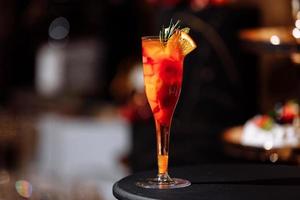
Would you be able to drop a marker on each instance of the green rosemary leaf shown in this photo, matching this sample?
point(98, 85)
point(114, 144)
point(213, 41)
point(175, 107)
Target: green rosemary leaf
point(166, 33)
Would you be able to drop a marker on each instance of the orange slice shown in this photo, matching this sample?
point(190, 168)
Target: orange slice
point(181, 39)
point(187, 44)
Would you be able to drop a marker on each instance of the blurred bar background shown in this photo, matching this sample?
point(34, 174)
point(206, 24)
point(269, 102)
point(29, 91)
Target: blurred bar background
point(72, 102)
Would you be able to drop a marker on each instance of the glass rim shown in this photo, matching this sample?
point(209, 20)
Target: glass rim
point(150, 37)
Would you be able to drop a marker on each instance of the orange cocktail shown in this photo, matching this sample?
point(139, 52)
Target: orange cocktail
point(163, 69)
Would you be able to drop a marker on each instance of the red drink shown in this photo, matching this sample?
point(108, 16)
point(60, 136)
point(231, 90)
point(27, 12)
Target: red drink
point(163, 70)
point(163, 78)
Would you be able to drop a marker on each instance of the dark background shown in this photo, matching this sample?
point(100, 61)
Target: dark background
point(222, 81)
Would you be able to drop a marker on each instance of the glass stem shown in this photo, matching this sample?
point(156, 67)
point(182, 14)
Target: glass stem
point(163, 137)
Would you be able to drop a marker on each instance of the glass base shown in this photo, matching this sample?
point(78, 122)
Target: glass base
point(154, 183)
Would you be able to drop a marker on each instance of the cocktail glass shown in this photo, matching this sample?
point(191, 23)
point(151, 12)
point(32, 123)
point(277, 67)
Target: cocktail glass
point(163, 69)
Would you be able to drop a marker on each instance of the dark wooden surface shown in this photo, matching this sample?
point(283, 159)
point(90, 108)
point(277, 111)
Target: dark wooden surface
point(220, 182)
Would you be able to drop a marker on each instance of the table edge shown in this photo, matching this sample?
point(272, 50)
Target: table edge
point(122, 194)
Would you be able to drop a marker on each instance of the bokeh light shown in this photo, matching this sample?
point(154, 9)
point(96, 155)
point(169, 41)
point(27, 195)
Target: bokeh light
point(296, 33)
point(59, 28)
point(275, 40)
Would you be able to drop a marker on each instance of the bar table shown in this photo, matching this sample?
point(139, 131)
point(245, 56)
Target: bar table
point(219, 182)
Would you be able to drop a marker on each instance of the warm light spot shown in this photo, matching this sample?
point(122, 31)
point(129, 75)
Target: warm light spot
point(296, 33)
point(298, 13)
point(24, 188)
point(268, 145)
point(198, 4)
point(136, 77)
point(297, 23)
point(275, 40)
point(274, 157)
point(296, 59)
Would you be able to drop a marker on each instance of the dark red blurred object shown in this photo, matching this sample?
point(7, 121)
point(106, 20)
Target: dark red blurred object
point(287, 112)
point(219, 2)
point(137, 108)
point(170, 3)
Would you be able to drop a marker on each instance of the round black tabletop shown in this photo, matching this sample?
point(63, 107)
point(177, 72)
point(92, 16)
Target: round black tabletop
point(219, 182)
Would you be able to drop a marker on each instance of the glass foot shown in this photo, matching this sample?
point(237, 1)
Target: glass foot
point(154, 183)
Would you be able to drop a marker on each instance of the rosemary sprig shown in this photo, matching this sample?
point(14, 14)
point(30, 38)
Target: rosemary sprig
point(166, 33)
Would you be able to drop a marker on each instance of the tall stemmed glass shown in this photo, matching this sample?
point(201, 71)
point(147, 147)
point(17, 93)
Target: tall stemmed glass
point(163, 70)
